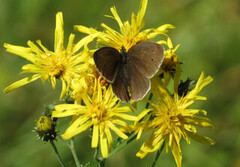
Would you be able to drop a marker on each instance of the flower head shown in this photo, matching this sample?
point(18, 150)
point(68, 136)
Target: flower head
point(171, 65)
point(85, 83)
point(130, 33)
point(171, 119)
point(63, 63)
point(46, 128)
point(101, 112)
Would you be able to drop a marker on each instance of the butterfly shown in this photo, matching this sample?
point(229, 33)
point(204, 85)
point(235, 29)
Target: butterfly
point(130, 72)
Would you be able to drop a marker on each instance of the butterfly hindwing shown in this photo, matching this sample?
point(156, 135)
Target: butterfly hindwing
point(139, 84)
point(106, 60)
point(121, 83)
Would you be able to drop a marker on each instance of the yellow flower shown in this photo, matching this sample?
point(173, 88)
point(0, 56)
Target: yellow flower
point(170, 65)
point(130, 34)
point(101, 112)
point(44, 124)
point(171, 119)
point(64, 64)
point(46, 128)
point(85, 83)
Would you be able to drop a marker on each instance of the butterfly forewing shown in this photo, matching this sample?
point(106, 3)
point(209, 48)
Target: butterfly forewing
point(146, 57)
point(106, 60)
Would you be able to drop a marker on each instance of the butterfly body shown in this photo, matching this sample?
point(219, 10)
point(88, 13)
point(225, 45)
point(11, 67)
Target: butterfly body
point(132, 69)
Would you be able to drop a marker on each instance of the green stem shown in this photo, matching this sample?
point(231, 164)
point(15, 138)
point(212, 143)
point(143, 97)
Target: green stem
point(72, 148)
point(149, 98)
point(119, 148)
point(102, 163)
point(64, 141)
point(57, 154)
point(158, 154)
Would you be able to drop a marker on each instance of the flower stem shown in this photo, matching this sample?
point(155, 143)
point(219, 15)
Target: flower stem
point(72, 148)
point(102, 163)
point(57, 154)
point(119, 148)
point(64, 141)
point(149, 98)
point(158, 154)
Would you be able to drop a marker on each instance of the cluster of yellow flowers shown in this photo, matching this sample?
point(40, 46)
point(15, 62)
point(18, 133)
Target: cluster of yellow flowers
point(95, 106)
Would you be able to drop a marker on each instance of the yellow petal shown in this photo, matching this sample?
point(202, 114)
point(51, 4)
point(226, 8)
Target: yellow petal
point(165, 27)
point(53, 82)
point(95, 136)
point(169, 42)
point(141, 12)
point(83, 41)
point(84, 29)
point(126, 116)
point(64, 89)
point(201, 139)
point(76, 128)
point(34, 48)
point(66, 110)
point(59, 33)
point(21, 51)
point(109, 138)
point(117, 18)
point(70, 43)
point(62, 107)
point(117, 131)
point(176, 81)
point(21, 83)
point(43, 47)
point(142, 114)
point(200, 121)
point(104, 146)
point(177, 154)
point(123, 109)
point(31, 68)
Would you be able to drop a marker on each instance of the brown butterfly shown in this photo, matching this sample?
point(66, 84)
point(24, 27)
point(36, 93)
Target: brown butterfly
point(132, 69)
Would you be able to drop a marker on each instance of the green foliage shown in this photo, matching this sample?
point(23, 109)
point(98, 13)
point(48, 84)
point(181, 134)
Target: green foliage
point(208, 32)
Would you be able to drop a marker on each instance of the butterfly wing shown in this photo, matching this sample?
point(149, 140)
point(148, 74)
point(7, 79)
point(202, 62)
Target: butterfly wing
point(139, 84)
point(106, 60)
point(121, 83)
point(147, 57)
point(144, 61)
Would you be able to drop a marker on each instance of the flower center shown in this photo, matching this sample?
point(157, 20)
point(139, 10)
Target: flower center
point(56, 66)
point(168, 117)
point(58, 70)
point(99, 114)
point(44, 124)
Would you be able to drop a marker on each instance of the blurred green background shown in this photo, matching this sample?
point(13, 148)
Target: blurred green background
point(209, 34)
